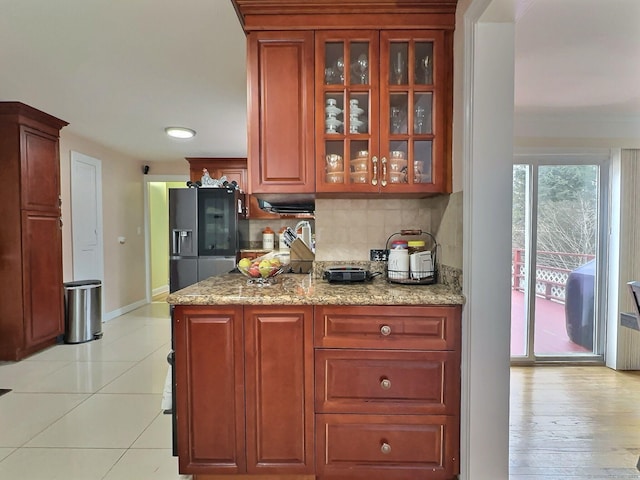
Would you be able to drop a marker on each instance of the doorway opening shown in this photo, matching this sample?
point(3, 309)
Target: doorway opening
point(156, 213)
point(559, 243)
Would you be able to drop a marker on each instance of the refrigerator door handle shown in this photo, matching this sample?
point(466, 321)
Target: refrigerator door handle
point(179, 238)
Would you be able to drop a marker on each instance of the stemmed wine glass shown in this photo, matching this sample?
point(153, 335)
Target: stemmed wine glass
point(362, 67)
point(340, 68)
point(419, 120)
point(396, 120)
point(425, 64)
point(398, 69)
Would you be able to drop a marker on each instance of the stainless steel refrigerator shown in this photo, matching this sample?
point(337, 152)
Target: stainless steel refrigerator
point(207, 228)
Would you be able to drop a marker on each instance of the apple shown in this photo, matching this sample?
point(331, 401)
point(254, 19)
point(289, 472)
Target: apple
point(265, 268)
point(244, 264)
point(254, 270)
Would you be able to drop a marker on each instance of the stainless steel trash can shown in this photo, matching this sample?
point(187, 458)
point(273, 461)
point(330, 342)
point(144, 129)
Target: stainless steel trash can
point(82, 311)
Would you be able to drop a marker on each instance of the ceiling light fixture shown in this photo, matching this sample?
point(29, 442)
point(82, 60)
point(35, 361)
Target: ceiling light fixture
point(180, 132)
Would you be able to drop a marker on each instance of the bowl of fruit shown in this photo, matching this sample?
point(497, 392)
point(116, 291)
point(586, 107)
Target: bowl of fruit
point(264, 270)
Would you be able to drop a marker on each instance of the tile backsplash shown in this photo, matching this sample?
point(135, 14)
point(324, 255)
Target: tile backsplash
point(346, 229)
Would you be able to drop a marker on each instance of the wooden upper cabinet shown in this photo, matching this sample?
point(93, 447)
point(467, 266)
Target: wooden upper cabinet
point(281, 136)
point(233, 169)
point(381, 112)
point(40, 182)
point(394, 59)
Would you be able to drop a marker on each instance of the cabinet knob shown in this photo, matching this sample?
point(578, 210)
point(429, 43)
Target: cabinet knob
point(385, 383)
point(384, 172)
point(385, 448)
point(374, 176)
point(385, 330)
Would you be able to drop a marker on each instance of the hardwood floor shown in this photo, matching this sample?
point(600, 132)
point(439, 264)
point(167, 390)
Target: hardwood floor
point(574, 422)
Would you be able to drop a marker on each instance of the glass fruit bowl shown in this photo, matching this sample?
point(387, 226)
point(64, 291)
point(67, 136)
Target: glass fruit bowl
point(264, 270)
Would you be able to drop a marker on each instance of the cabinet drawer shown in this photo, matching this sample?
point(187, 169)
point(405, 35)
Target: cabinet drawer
point(386, 446)
point(374, 381)
point(388, 327)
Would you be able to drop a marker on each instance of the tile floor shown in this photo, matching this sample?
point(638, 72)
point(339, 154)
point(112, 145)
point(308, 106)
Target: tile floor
point(92, 411)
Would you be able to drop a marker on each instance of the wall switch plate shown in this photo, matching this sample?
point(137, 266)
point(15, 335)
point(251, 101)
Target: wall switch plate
point(378, 255)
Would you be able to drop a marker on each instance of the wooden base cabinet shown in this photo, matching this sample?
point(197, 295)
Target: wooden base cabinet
point(387, 392)
point(397, 447)
point(386, 381)
point(31, 302)
point(244, 389)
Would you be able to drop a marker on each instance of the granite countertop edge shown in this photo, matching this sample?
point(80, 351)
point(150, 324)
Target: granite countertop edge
point(298, 289)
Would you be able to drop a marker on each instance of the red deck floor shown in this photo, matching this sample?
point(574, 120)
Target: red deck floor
point(550, 331)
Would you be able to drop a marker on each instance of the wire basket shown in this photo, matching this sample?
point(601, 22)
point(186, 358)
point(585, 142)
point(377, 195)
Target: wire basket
point(424, 272)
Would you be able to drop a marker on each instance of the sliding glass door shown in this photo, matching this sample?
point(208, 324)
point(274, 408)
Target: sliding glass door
point(558, 240)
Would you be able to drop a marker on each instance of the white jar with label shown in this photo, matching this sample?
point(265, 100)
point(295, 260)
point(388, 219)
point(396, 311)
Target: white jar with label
point(268, 239)
point(398, 264)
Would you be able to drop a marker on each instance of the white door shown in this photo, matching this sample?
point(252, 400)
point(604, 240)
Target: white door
point(86, 217)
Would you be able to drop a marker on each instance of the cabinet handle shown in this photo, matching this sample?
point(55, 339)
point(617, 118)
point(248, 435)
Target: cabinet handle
point(385, 383)
point(384, 172)
point(374, 176)
point(385, 448)
point(385, 330)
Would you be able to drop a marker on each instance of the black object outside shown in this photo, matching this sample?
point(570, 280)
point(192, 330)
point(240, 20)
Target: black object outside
point(579, 304)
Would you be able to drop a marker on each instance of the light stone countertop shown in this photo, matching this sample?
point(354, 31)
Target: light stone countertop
point(297, 289)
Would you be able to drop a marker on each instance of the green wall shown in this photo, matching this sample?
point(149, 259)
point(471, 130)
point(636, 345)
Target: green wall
point(159, 233)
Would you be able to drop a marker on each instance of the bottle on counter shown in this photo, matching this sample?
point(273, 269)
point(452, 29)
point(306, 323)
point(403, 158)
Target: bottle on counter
point(268, 239)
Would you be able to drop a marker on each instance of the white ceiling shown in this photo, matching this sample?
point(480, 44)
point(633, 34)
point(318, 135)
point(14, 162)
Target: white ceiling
point(578, 57)
point(119, 72)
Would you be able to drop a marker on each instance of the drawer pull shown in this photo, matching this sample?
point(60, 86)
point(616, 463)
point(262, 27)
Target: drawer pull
point(385, 448)
point(385, 384)
point(385, 330)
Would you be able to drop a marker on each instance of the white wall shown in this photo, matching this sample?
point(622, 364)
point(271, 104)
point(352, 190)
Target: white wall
point(483, 150)
point(122, 200)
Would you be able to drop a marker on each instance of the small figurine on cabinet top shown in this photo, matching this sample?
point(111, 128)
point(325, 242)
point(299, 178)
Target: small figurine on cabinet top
point(207, 181)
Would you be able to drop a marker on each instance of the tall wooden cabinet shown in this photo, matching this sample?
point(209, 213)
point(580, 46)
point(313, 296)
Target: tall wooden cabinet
point(31, 290)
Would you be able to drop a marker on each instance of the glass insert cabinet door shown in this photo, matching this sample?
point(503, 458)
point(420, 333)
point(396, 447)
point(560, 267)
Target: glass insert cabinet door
point(377, 111)
point(347, 105)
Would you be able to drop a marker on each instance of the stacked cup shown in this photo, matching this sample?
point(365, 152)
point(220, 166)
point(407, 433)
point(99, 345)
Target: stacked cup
point(331, 122)
point(354, 116)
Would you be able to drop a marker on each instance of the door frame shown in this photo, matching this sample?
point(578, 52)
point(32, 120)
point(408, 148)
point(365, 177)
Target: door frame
point(147, 224)
point(538, 157)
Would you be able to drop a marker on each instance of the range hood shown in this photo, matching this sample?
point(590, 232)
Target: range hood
point(284, 207)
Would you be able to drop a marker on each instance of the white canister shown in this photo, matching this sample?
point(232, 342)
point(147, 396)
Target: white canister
point(268, 239)
point(398, 264)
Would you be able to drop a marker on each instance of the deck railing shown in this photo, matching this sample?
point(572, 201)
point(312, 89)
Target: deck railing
point(552, 271)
